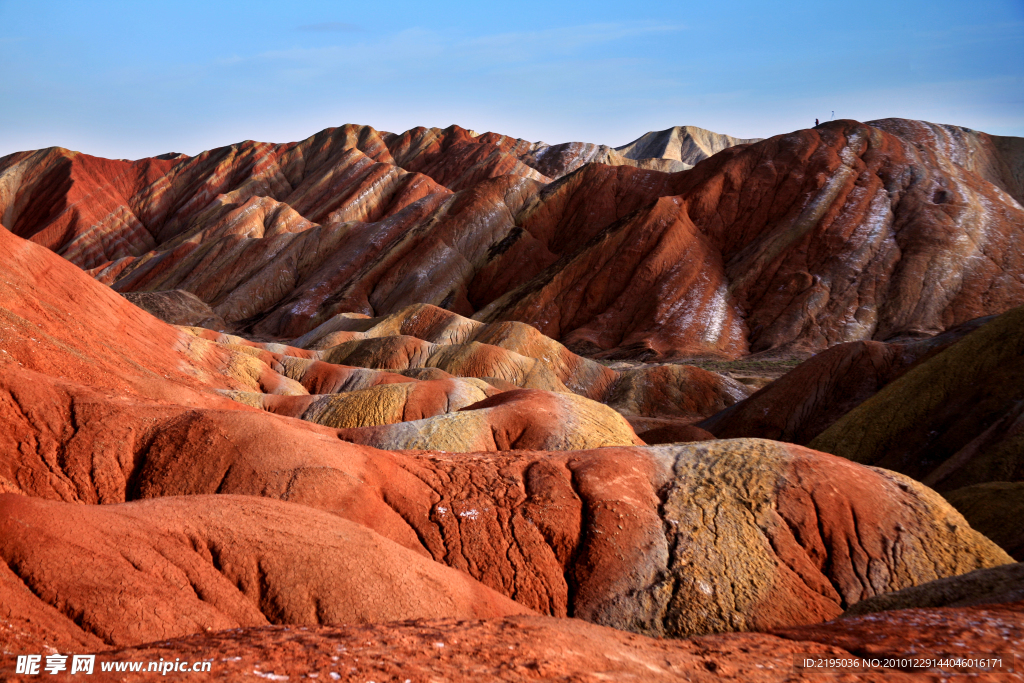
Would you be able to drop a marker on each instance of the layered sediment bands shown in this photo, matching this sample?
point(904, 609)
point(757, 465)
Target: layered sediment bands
point(951, 421)
point(514, 419)
point(847, 232)
point(999, 160)
point(556, 161)
point(535, 648)
point(424, 335)
point(650, 285)
point(383, 404)
point(242, 278)
point(842, 233)
point(458, 159)
point(430, 256)
point(101, 210)
point(185, 565)
point(445, 328)
point(810, 398)
point(474, 359)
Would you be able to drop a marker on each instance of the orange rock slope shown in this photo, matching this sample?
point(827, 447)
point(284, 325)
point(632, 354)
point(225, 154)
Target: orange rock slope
point(846, 232)
point(125, 426)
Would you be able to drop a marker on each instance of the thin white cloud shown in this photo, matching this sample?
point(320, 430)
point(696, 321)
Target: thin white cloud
point(474, 53)
point(519, 44)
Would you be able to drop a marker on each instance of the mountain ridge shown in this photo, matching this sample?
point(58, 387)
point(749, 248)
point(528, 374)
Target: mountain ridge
point(775, 244)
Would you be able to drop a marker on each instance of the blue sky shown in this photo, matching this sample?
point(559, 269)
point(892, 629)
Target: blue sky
point(132, 79)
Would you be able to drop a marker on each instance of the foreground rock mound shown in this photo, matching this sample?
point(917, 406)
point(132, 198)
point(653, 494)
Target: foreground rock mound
point(673, 540)
point(185, 565)
point(541, 648)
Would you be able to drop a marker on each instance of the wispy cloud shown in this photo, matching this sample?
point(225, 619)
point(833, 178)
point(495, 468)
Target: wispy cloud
point(528, 46)
point(329, 27)
point(573, 37)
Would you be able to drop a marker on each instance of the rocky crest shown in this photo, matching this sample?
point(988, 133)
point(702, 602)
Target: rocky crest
point(847, 232)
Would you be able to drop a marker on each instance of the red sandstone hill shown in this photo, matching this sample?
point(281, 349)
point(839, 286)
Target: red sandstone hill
point(843, 233)
point(165, 482)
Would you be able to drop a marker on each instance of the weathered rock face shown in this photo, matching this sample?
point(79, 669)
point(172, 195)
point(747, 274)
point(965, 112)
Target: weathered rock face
point(533, 648)
point(951, 421)
point(556, 161)
point(772, 507)
point(184, 565)
point(847, 232)
point(999, 160)
point(458, 158)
